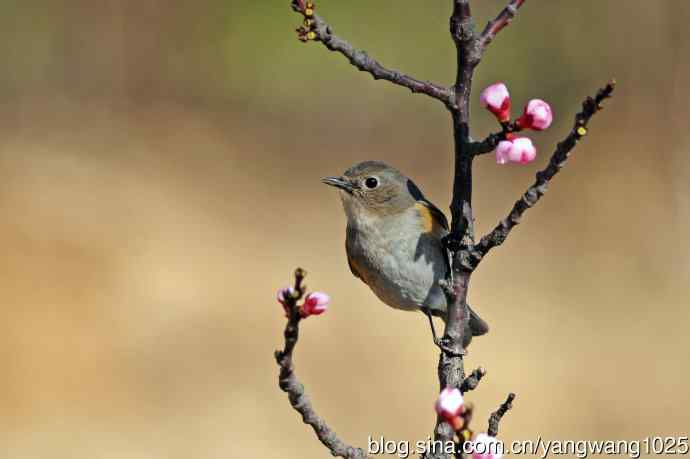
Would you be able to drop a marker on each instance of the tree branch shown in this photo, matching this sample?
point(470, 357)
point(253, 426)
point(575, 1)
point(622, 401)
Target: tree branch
point(290, 384)
point(502, 20)
point(317, 29)
point(490, 143)
point(497, 415)
point(472, 380)
point(465, 252)
point(451, 370)
point(590, 106)
point(468, 57)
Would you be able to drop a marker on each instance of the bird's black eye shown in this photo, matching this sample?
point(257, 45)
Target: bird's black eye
point(371, 182)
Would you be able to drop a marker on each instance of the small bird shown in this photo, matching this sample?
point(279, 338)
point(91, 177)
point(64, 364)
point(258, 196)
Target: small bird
point(394, 241)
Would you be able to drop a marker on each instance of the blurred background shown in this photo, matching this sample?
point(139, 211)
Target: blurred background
point(159, 180)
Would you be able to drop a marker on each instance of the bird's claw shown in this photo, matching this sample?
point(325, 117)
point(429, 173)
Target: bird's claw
point(452, 243)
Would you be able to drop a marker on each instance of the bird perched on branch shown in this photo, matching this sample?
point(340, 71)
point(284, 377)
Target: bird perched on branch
point(394, 241)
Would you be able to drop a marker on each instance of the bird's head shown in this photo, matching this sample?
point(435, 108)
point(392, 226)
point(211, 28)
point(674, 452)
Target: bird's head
point(374, 189)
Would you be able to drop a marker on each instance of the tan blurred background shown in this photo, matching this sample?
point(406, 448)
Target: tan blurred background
point(159, 179)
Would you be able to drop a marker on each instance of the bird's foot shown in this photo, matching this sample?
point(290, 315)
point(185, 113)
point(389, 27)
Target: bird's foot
point(452, 243)
point(441, 342)
point(427, 312)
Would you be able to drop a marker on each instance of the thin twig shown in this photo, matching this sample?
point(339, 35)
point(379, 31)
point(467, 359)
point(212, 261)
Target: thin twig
point(290, 384)
point(472, 380)
point(490, 143)
point(496, 416)
point(503, 19)
point(590, 106)
point(323, 32)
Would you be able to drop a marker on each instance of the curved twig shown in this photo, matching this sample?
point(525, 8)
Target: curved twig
point(290, 384)
point(503, 19)
point(317, 29)
point(497, 415)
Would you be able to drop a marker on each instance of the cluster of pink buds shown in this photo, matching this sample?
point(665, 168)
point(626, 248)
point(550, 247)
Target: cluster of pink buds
point(484, 446)
point(537, 115)
point(450, 406)
point(315, 303)
point(518, 150)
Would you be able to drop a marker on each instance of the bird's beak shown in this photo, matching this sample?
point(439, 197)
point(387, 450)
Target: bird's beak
point(338, 182)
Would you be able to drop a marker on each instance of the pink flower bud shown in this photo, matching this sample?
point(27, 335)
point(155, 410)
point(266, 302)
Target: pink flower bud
point(315, 303)
point(537, 116)
point(282, 295)
point(519, 150)
point(486, 447)
point(449, 406)
point(503, 150)
point(497, 100)
point(523, 151)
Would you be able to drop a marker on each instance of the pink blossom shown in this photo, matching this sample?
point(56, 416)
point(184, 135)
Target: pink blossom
point(282, 296)
point(519, 150)
point(449, 406)
point(315, 303)
point(537, 116)
point(485, 447)
point(496, 99)
point(503, 150)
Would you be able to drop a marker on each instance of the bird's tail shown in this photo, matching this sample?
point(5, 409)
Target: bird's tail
point(478, 326)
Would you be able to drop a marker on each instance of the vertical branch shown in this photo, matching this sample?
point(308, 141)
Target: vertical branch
point(462, 232)
point(451, 371)
point(468, 56)
point(315, 28)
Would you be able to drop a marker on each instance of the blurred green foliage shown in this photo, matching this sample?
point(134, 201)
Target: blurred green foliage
point(243, 57)
point(247, 51)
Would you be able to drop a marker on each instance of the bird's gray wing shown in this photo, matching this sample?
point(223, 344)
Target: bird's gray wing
point(350, 262)
point(477, 325)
